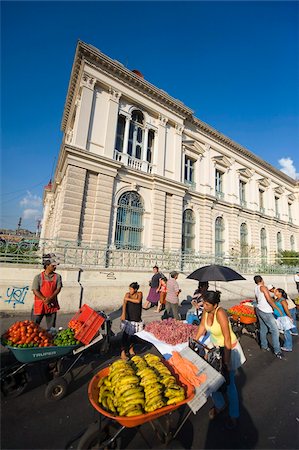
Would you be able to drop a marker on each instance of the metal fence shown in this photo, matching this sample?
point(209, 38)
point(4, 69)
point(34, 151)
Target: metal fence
point(92, 255)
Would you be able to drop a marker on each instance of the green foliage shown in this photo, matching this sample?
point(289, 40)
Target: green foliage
point(288, 258)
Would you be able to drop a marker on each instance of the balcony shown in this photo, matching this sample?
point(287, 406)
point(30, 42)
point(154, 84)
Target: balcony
point(191, 185)
point(133, 163)
point(219, 195)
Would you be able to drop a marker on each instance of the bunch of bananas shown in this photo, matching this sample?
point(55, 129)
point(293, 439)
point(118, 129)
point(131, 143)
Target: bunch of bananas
point(140, 385)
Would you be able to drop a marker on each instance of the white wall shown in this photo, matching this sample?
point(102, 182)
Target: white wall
point(105, 289)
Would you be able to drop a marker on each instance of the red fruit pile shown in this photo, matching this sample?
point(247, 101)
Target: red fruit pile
point(242, 310)
point(171, 331)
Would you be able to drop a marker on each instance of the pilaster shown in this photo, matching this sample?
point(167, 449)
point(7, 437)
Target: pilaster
point(112, 122)
point(84, 111)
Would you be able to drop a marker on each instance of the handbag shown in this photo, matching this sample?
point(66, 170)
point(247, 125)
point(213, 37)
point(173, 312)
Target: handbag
point(212, 356)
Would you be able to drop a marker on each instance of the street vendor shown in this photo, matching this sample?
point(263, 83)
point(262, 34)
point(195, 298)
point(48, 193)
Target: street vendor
point(214, 319)
point(46, 287)
point(131, 321)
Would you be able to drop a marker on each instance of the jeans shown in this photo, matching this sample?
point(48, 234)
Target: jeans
point(233, 398)
point(268, 323)
point(293, 314)
point(50, 319)
point(288, 343)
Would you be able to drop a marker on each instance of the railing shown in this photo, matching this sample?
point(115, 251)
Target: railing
point(243, 203)
point(133, 163)
point(190, 184)
point(262, 210)
point(277, 216)
point(92, 255)
point(219, 194)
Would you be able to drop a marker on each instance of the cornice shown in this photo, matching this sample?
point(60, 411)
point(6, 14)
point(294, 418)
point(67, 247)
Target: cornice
point(116, 70)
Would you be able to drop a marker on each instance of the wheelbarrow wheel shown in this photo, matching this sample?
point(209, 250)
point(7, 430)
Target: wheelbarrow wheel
point(13, 385)
point(94, 438)
point(56, 389)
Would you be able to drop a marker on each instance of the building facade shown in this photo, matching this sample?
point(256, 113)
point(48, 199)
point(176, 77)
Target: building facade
point(137, 171)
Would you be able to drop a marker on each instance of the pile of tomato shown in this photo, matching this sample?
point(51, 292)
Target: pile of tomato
point(242, 310)
point(27, 334)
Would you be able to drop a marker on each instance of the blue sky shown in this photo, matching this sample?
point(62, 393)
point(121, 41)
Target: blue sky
point(234, 63)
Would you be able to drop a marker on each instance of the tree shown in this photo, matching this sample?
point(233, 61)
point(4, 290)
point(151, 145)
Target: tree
point(288, 258)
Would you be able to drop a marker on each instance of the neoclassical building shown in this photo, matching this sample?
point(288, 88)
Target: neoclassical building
point(137, 171)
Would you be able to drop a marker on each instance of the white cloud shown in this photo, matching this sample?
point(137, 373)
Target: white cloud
point(31, 200)
point(287, 167)
point(30, 213)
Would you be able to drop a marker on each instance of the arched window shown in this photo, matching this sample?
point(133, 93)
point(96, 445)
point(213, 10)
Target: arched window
point(136, 135)
point(188, 231)
point(243, 240)
point(279, 242)
point(263, 243)
point(292, 242)
point(219, 236)
point(129, 221)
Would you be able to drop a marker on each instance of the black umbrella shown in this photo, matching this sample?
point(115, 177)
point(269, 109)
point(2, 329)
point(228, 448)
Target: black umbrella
point(214, 272)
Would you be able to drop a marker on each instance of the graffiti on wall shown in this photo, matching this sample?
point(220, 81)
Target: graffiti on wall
point(16, 295)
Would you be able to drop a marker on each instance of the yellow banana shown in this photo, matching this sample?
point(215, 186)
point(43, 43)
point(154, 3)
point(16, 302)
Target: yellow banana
point(104, 402)
point(129, 379)
point(157, 398)
point(131, 398)
point(149, 381)
point(168, 380)
point(153, 393)
point(146, 371)
point(151, 357)
point(132, 390)
point(123, 373)
point(119, 390)
point(126, 409)
point(154, 406)
point(110, 404)
point(174, 400)
point(134, 412)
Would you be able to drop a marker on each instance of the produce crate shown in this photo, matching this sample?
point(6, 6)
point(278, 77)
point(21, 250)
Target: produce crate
point(92, 321)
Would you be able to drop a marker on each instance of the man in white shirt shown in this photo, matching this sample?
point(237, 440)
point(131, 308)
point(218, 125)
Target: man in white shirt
point(264, 311)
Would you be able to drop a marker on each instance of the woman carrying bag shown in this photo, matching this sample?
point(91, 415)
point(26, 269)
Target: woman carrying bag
point(214, 319)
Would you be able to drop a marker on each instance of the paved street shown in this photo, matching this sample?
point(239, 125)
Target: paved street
point(268, 390)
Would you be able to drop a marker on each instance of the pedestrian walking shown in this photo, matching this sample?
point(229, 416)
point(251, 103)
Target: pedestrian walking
point(154, 292)
point(296, 278)
point(172, 295)
point(131, 321)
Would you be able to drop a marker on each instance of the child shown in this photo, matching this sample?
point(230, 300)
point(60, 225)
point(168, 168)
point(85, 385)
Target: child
point(162, 290)
point(284, 320)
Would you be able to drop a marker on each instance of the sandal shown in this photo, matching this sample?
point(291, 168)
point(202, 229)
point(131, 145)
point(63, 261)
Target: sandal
point(214, 412)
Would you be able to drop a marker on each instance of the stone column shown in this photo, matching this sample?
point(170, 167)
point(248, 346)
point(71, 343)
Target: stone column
point(159, 157)
point(112, 123)
point(144, 150)
point(126, 135)
point(158, 218)
point(84, 113)
point(178, 160)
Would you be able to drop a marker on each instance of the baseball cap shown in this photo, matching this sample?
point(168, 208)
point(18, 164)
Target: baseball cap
point(270, 286)
point(50, 258)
